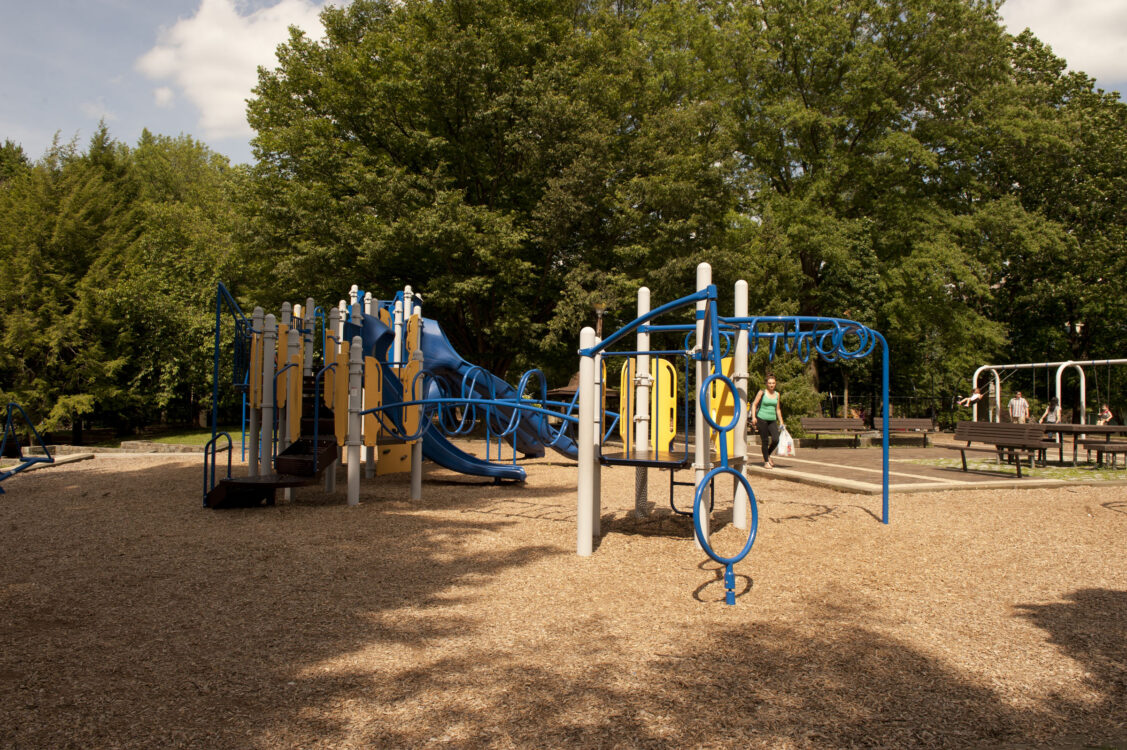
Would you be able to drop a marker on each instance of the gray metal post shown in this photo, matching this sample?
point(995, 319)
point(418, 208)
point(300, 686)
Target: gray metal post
point(702, 461)
point(307, 337)
point(355, 374)
point(642, 433)
point(330, 355)
point(269, 349)
point(255, 414)
point(585, 500)
point(740, 499)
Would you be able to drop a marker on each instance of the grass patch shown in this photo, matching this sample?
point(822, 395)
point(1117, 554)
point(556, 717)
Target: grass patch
point(192, 437)
point(1086, 473)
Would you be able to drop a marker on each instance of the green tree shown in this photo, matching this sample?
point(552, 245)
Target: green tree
point(56, 222)
point(513, 161)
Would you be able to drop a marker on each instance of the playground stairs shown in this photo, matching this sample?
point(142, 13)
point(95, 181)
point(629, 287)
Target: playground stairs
point(302, 463)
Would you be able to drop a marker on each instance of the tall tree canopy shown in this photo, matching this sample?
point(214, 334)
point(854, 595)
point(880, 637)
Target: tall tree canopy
point(905, 163)
point(110, 258)
point(517, 162)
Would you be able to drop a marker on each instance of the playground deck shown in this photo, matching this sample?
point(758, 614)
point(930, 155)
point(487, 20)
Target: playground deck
point(132, 618)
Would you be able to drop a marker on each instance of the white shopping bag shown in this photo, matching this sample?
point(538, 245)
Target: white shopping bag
point(786, 444)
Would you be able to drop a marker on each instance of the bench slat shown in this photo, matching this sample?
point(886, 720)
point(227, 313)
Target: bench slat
point(814, 424)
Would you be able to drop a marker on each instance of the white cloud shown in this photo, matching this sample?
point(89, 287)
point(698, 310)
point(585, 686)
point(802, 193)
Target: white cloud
point(97, 110)
point(1090, 34)
point(212, 58)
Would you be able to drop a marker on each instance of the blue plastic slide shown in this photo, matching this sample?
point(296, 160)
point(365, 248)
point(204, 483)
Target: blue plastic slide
point(442, 361)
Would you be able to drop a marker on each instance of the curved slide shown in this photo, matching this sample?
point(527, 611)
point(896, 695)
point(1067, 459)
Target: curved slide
point(441, 360)
point(533, 431)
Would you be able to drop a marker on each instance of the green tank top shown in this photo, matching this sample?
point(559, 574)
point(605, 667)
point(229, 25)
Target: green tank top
point(767, 406)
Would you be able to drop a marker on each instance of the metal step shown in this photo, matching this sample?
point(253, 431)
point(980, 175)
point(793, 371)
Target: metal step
point(298, 459)
point(251, 492)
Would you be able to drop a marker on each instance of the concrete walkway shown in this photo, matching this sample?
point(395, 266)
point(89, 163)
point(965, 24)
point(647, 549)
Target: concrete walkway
point(858, 470)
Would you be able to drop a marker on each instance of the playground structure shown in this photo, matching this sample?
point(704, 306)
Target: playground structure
point(388, 388)
point(720, 383)
point(315, 401)
point(1061, 367)
point(10, 446)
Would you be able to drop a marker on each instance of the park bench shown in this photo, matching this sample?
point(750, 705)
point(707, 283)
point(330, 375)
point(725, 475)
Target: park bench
point(1104, 445)
point(818, 425)
point(912, 424)
point(1005, 437)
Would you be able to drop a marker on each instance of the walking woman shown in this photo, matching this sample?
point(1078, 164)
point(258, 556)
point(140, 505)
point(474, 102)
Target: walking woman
point(767, 418)
point(1052, 412)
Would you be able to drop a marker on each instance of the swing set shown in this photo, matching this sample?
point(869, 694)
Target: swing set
point(1078, 365)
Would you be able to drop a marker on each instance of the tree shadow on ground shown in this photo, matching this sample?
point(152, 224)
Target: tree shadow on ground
point(129, 617)
point(1090, 627)
point(762, 685)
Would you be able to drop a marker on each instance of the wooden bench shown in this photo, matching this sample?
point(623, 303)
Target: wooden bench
point(912, 424)
point(817, 425)
point(1102, 446)
point(1006, 437)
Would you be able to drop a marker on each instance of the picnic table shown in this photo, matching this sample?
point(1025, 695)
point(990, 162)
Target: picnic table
point(1079, 433)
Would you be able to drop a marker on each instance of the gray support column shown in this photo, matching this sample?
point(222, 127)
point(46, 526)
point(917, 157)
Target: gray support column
point(740, 499)
point(332, 326)
point(597, 433)
point(269, 348)
point(702, 463)
point(285, 320)
point(307, 323)
point(585, 496)
point(292, 411)
point(355, 374)
point(642, 388)
point(255, 414)
point(397, 328)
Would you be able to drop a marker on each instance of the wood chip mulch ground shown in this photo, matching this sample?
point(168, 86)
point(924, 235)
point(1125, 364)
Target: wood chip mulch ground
point(132, 618)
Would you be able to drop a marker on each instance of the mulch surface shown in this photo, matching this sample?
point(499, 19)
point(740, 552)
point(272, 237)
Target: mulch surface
point(130, 617)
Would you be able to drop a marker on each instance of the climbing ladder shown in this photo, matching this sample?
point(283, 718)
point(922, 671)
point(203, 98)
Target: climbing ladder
point(302, 463)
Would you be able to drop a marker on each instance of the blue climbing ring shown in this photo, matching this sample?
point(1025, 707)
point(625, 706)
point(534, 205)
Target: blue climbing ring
point(708, 417)
point(704, 543)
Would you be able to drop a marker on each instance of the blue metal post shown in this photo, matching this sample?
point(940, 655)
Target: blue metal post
point(884, 427)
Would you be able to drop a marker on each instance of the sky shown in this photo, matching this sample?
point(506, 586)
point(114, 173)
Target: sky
point(188, 66)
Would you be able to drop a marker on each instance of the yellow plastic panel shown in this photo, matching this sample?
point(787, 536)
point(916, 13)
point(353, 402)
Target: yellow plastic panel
point(722, 405)
point(255, 376)
point(414, 331)
point(393, 458)
point(373, 397)
point(340, 398)
point(626, 403)
point(414, 387)
point(293, 413)
point(663, 404)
